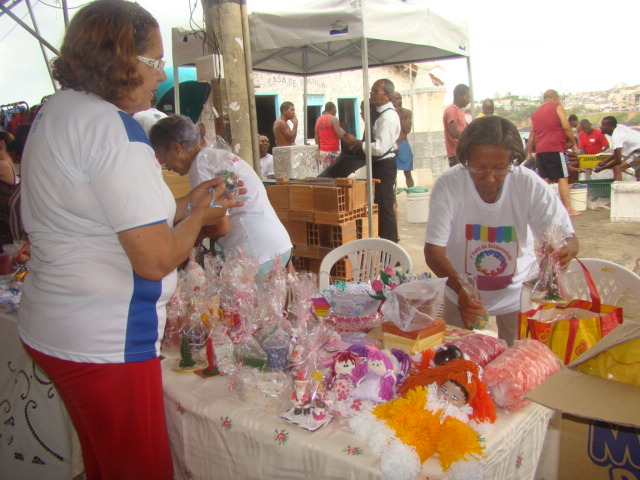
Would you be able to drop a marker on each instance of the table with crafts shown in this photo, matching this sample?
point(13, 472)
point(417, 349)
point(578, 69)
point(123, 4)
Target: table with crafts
point(215, 434)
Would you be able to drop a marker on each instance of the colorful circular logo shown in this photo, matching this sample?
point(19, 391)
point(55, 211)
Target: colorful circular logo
point(486, 263)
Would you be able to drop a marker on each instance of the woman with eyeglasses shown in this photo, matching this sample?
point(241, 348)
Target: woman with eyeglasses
point(107, 236)
point(482, 215)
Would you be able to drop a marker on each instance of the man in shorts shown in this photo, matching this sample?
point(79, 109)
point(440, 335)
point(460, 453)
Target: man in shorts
point(404, 158)
point(550, 134)
point(625, 142)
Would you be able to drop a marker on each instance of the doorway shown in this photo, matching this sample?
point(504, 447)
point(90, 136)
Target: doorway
point(349, 115)
point(313, 113)
point(267, 112)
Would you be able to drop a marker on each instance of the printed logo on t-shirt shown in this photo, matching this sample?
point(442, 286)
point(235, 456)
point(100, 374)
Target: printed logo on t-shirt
point(491, 254)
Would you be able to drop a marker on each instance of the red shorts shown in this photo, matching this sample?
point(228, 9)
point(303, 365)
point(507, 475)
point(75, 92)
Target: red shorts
point(118, 412)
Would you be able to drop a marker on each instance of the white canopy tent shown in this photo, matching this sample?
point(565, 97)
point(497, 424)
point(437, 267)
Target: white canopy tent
point(312, 37)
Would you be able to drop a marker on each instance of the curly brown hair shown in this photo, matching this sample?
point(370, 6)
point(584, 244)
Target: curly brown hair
point(100, 48)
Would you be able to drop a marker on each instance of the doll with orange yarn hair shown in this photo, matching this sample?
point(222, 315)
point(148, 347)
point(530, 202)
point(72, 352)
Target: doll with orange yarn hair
point(436, 413)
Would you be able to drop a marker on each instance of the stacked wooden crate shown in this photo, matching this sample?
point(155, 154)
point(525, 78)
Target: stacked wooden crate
point(320, 217)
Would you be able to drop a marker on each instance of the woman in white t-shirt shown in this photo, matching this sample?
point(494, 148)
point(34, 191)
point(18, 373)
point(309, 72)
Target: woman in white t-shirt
point(481, 216)
point(106, 237)
point(254, 227)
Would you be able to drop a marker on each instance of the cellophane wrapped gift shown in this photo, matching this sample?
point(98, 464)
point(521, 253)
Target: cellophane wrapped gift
point(307, 408)
point(353, 307)
point(414, 305)
point(274, 333)
point(550, 286)
point(469, 284)
point(238, 300)
point(252, 384)
point(177, 314)
point(480, 349)
point(521, 368)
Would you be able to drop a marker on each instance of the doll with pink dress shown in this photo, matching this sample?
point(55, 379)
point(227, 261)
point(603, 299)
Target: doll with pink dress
point(340, 383)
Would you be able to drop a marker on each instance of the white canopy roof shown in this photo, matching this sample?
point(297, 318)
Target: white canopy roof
point(311, 37)
point(322, 36)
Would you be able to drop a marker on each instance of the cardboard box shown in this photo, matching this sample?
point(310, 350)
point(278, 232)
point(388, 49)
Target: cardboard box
point(600, 428)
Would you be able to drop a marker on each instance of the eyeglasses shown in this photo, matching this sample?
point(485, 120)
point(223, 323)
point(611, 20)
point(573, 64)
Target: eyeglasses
point(496, 172)
point(377, 92)
point(153, 62)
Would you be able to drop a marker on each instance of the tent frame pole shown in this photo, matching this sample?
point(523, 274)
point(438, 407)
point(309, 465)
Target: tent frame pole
point(305, 69)
point(473, 103)
point(367, 131)
point(176, 90)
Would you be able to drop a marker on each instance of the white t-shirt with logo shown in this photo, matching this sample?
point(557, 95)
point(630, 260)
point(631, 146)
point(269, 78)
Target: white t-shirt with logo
point(255, 226)
point(89, 173)
point(493, 240)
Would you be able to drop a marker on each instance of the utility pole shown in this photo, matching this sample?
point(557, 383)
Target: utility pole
point(227, 28)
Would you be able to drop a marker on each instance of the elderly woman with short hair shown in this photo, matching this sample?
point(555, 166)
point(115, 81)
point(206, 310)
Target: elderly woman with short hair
point(482, 215)
point(254, 227)
point(107, 236)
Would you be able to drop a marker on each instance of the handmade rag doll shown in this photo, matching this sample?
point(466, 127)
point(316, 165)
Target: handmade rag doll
point(431, 418)
point(375, 379)
point(338, 392)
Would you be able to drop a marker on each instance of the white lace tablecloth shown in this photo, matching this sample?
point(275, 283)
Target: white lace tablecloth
point(37, 439)
point(214, 434)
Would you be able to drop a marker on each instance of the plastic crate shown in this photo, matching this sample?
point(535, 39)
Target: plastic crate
point(598, 188)
point(590, 161)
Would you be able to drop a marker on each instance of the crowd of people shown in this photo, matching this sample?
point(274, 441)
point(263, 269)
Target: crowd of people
point(107, 235)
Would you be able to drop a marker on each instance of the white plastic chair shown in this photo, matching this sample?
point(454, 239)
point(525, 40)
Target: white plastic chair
point(368, 256)
point(616, 285)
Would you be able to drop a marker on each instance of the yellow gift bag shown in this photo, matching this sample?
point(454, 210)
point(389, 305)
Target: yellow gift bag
point(571, 330)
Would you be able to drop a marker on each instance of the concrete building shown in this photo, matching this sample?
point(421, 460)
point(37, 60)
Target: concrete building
point(419, 94)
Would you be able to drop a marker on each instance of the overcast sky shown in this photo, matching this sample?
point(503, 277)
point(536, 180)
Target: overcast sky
point(518, 47)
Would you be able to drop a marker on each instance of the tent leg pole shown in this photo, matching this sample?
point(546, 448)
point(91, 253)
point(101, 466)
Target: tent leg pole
point(305, 67)
point(176, 91)
point(367, 122)
point(473, 107)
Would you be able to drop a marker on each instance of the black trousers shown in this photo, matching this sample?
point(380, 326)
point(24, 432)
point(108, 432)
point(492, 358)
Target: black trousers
point(386, 171)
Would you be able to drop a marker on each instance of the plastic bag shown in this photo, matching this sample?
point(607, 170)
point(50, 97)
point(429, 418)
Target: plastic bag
point(517, 371)
point(469, 284)
point(415, 305)
point(550, 286)
point(620, 362)
point(479, 348)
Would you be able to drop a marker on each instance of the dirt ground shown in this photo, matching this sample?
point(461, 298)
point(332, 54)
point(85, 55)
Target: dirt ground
point(598, 238)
